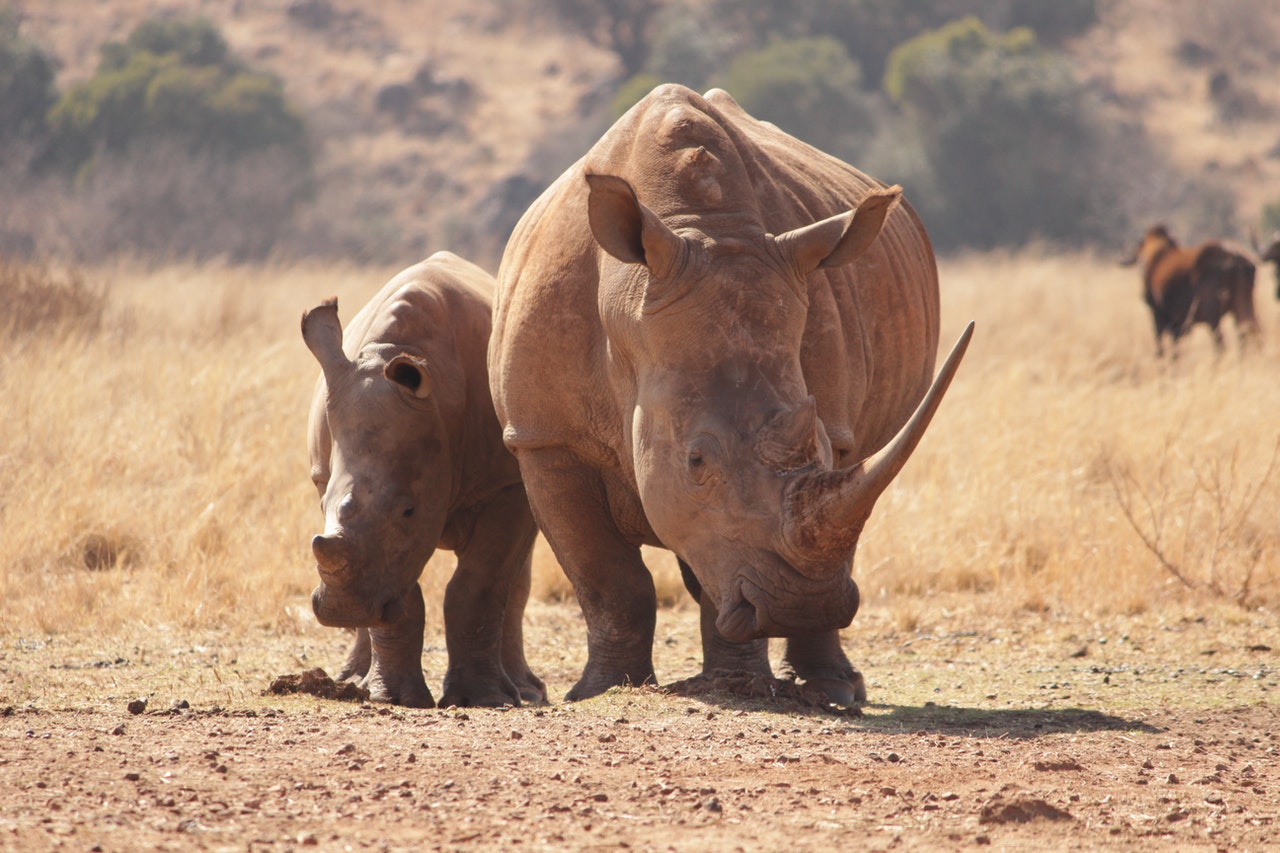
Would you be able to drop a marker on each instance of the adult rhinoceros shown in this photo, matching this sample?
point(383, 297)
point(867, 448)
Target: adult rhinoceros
point(697, 345)
point(407, 456)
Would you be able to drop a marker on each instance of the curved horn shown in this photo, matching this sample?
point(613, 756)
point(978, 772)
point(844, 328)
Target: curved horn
point(825, 510)
point(322, 332)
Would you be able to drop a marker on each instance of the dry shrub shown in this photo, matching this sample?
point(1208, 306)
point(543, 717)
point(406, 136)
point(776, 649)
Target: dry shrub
point(165, 203)
point(40, 298)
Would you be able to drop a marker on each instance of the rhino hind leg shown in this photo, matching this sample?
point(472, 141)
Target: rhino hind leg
point(820, 662)
point(360, 656)
point(718, 654)
point(395, 668)
point(529, 686)
point(484, 608)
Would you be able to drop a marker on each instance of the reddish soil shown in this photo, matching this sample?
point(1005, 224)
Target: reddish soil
point(1141, 734)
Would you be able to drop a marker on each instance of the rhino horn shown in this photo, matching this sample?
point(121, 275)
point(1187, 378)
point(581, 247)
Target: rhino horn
point(791, 438)
point(322, 332)
point(333, 556)
point(825, 510)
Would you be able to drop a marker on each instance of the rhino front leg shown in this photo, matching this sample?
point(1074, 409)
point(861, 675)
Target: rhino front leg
point(610, 580)
point(395, 669)
point(821, 662)
point(356, 666)
point(717, 652)
point(484, 605)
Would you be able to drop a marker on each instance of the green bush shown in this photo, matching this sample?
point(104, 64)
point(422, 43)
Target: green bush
point(1013, 144)
point(195, 42)
point(173, 81)
point(809, 87)
point(26, 84)
point(1271, 219)
point(633, 91)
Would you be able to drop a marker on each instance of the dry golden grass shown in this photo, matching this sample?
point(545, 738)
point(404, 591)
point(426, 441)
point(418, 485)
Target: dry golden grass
point(1061, 418)
point(155, 470)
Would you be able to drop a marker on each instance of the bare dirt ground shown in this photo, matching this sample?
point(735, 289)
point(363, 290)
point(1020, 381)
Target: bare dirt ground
point(1153, 732)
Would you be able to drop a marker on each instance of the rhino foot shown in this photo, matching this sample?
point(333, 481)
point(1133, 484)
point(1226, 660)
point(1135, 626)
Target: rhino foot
point(464, 692)
point(407, 690)
point(531, 689)
point(533, 694)
point(595, 684)
point(818, 661)
point(845, 691)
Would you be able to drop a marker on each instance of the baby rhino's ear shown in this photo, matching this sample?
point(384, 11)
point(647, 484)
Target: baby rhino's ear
point(323, 335)
point(411, 373)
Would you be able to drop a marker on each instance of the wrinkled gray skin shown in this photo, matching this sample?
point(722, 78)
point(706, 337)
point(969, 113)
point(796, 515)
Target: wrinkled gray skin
point(407, 456)
point(703, 332)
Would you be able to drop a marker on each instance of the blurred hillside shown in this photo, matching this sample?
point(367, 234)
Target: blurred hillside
point(435, 123)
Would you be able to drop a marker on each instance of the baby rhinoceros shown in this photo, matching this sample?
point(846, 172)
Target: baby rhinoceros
point(408, 457)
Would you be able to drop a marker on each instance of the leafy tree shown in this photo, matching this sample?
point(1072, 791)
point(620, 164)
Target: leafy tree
point(871, 29)
point(1013, 144)
point(621, 25)
point(634, 89)
point(1271, 219)
point(196, 42)
point(809, 87)
point(26, 83)
point(174, 81)
point(188, 150)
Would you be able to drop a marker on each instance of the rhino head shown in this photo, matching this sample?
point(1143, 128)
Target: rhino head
point(380, 463)
point(732, 464)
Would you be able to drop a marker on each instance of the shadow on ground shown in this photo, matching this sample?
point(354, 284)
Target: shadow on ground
point(1021, 723)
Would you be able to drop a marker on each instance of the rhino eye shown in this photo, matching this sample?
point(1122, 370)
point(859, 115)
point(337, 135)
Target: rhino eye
point(408, 513)
point(700, 458)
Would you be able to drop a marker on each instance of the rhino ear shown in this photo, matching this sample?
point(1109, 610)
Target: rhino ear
point(322, 333)
point(628, 230)
point(411, 373)
point(840, 239)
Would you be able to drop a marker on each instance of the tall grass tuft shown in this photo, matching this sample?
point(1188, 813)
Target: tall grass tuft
point(39, 298)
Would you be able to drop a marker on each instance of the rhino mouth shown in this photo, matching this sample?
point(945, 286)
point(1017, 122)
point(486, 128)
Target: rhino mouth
point(750, 614)
point(739, 622)
point(336, 609)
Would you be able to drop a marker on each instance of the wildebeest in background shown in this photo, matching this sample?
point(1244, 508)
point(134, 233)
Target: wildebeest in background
point(1271, 254)
point(1194, 285)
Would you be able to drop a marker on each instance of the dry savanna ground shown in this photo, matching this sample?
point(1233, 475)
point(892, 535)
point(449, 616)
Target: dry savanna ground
point(1068, 631)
